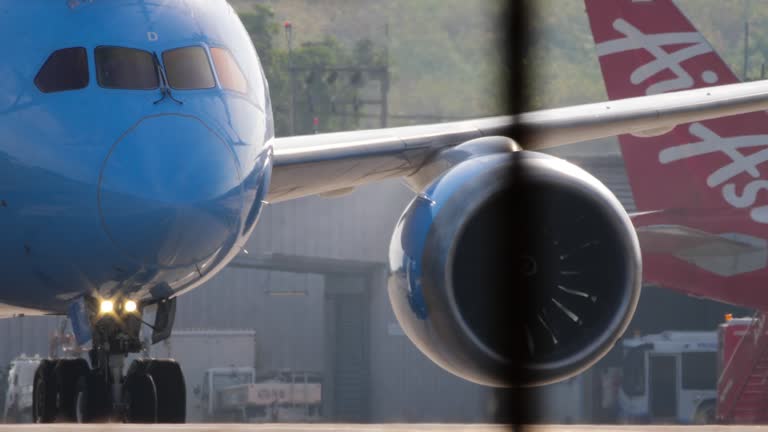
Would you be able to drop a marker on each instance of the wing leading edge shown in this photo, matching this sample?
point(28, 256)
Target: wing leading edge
point(328, 164)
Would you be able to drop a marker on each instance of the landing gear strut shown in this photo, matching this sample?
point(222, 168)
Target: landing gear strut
point(151, 391)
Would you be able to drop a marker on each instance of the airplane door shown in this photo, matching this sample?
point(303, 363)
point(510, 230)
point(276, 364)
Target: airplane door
point(662, 381)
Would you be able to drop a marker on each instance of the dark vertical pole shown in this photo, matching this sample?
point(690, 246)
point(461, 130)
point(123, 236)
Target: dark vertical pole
point(292, 107)
point(746, 48)
point(514, 405)
point(384, 97)
point(356, 108)
point(385, 80)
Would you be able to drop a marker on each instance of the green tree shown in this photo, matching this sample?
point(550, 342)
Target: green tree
point(318, 93)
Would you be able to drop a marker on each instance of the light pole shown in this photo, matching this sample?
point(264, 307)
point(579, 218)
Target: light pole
point(747, 13)
point(288, 26)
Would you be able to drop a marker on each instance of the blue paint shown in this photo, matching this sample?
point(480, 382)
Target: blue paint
point(107, 192)
point(78, 317)
point(414, 226)
point(148, 213)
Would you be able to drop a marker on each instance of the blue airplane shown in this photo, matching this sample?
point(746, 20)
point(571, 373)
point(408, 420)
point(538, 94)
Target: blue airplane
point(137, 151)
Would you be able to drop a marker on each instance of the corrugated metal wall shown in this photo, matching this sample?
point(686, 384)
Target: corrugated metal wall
point(403, 385)
point(27, 335)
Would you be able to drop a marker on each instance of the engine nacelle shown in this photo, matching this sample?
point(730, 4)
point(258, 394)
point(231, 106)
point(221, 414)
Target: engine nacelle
point(514, 269)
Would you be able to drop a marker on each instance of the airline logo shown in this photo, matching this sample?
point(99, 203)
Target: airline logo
point(739, 164)
point(707, 176)
point(693, 43)
point(669, 50)
point(650, 47)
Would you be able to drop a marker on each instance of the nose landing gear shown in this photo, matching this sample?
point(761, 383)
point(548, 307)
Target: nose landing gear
point(54, 389)
point(152, 391)
point(91, 401)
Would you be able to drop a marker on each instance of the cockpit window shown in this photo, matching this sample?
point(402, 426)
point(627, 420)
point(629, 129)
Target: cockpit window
point(230, 75)
point(126, 68)
point(188, 68)
point(65, 69)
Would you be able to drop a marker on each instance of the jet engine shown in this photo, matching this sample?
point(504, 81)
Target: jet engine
point(514, 269)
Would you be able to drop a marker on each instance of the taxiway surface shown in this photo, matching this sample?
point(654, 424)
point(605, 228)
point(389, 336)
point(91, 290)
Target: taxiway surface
point(367, 428)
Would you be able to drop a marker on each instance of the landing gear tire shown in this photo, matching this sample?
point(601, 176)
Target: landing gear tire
point(171, 391)
point(140, 395)
point(67, 373)
point(92, 403)
point(155, 392)
point(706, 413)
point(44, 393)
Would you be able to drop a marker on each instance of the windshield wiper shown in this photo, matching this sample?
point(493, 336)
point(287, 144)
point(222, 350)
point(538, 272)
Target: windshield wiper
point(165, 89)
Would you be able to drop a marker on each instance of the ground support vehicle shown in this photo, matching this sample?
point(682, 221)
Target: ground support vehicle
point(238, 395)
point(18, 396)
point(742, 389)
point(669, 377)
point(199, 350)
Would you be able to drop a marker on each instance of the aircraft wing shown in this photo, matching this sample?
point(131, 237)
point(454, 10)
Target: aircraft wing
point(334, 163)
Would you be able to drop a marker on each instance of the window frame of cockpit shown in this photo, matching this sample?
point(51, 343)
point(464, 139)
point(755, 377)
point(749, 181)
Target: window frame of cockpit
point(209, 59)
point(40, 67)
point(248, 84)
point(93, 68)
point(98, 80)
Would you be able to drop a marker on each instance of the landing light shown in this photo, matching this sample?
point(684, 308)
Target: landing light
point(130, 306)
point(106, 306)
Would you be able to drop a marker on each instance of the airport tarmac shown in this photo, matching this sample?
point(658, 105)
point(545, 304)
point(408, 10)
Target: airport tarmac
point(367, 428)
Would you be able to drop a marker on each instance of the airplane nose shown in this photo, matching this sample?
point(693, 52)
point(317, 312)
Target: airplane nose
point(169, 192)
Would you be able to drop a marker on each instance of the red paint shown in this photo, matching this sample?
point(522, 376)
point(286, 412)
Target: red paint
point(663, 177)
point(742, 390)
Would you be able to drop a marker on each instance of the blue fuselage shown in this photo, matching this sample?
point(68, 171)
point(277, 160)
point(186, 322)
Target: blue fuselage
point(142, 192)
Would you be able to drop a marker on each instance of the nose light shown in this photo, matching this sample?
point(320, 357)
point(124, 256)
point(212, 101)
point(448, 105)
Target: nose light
point(106, 307)
point(130, 306)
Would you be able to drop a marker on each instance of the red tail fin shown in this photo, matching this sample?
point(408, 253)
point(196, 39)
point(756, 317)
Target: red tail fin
point(701, 182)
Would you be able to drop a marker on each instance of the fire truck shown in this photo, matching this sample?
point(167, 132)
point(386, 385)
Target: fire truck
point(742, 387)
point(698, 377)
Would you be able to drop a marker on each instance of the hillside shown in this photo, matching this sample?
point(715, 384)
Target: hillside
point(563, 57)
point(446, 54)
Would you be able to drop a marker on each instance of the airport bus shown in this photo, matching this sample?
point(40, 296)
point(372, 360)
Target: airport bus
point(670, 377)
